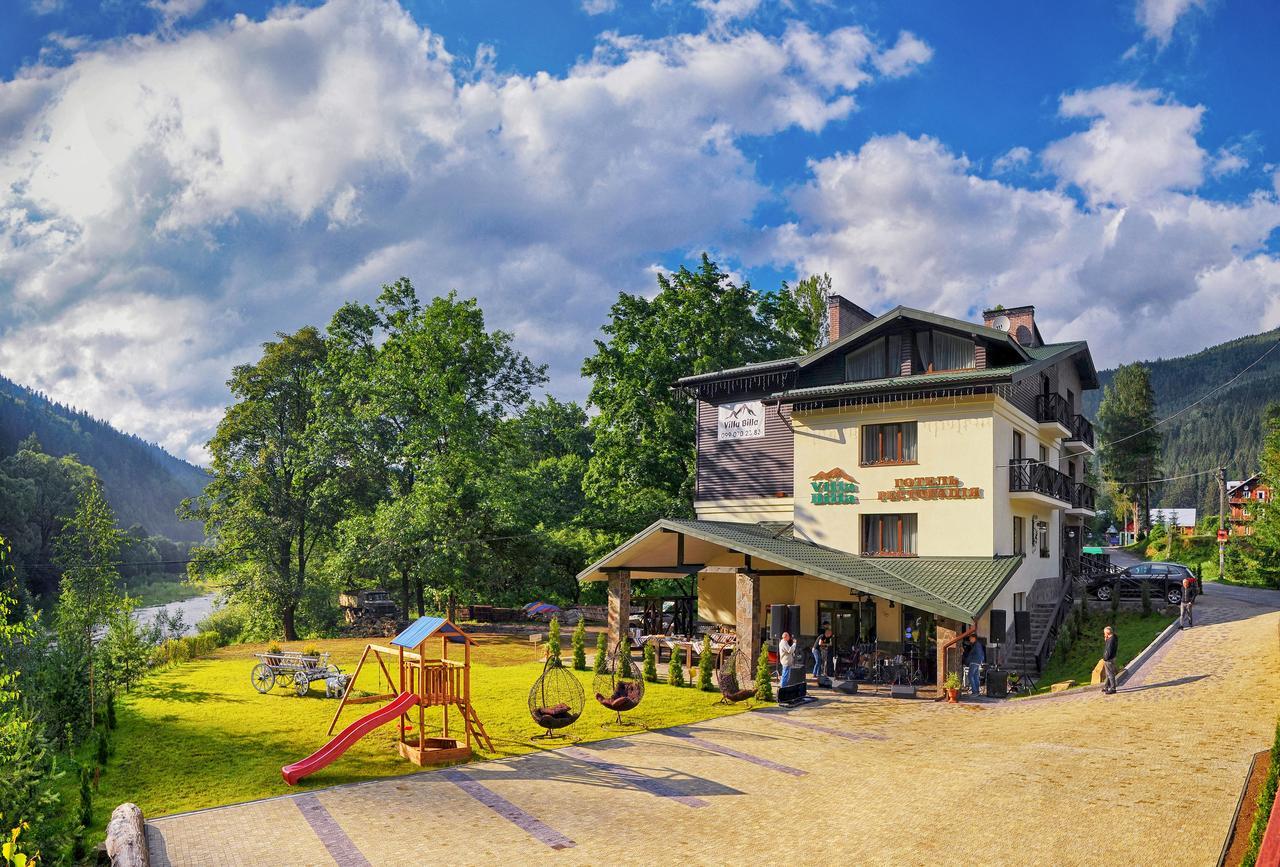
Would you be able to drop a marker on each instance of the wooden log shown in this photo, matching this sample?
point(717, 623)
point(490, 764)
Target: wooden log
point(127, 837)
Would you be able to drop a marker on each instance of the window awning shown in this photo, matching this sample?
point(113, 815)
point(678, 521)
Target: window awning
point(960, 588)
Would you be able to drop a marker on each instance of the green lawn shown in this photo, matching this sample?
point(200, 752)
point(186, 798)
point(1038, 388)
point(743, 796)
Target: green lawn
point(198, 735)
point(1134, 630)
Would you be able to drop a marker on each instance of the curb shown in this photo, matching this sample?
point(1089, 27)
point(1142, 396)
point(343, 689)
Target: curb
point(1235, 817)
point(1145, 656)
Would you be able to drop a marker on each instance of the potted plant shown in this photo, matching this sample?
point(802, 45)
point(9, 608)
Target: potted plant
point(273, 653)
point(952, 686)
point(312, 654)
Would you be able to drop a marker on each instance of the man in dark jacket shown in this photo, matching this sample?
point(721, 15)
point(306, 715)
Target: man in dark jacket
point(1109, 649)
point(1188, 597)
point(972, 659)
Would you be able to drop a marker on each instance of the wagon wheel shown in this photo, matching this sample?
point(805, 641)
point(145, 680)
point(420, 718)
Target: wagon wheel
point(263, 677)
point(300, 684)
point(284, 677)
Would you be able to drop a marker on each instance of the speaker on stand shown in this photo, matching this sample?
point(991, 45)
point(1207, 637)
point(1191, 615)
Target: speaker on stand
point(1022, 627)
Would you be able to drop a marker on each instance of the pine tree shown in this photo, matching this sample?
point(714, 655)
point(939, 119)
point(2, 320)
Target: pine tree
point(706, 666)
point(602, 655)
point(1258, 555)
point(580, 645)
point(650, 663)
point(675, 669)
point(764, 682)
point(553, 643)
point(624, 656)
point(1131, 446)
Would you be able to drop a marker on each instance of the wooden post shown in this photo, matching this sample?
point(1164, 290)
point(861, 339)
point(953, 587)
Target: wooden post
point(619, 606)
point(401, 650)
point(945, 635)
point(444, 677)
point(747, 627)
point(466, 686)
point(346, 692)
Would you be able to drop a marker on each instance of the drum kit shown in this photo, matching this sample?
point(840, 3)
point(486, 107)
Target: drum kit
point(869, 664)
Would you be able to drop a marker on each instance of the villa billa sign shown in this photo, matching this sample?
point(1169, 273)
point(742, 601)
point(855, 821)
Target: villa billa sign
point(833, 487)
point(740, 421)
point(930, 488)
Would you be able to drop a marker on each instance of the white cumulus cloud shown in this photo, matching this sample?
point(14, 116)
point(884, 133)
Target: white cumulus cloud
point(1158, 17)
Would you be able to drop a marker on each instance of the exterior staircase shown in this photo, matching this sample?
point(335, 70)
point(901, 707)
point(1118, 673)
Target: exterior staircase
point(1022, 657)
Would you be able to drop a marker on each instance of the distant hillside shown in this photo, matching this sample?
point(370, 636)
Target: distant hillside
point(1225, 429)
point(143, 482)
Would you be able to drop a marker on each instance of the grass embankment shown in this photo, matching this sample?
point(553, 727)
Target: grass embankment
point(1266, 798)
point(198, 735)
point(1133, 629)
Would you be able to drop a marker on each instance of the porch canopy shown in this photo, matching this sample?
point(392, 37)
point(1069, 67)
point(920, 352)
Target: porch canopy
point(959, 588)
point(956, 588)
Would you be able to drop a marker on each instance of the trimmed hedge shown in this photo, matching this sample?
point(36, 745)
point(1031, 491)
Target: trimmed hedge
point(186, 648)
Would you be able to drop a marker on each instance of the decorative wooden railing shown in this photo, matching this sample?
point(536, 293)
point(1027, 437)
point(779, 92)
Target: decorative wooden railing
point(1033, 476)
point(1053, 408)
point(1081, 430)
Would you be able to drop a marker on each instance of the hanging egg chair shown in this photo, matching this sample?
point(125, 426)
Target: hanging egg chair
point(727, 679)
point(556, 699)
point(619, 687)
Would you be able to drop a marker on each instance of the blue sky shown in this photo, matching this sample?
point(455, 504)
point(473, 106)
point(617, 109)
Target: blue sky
point(180, 179)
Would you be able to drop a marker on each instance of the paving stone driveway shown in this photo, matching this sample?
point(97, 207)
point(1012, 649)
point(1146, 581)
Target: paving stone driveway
point(1148, 776)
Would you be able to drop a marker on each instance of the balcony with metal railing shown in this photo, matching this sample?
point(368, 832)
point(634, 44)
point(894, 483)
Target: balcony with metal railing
point(1081, 437)
point(1031, 479)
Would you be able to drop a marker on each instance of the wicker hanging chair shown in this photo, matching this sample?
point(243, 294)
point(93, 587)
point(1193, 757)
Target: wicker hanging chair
point(727, 679)
point(619, 687)
point(556, 699)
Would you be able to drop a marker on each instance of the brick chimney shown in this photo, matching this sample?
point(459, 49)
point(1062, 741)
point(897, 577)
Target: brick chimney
point(1018, 321)
point(844, 317)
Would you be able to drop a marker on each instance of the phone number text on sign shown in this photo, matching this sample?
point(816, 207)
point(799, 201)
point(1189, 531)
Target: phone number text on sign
point(740, 421)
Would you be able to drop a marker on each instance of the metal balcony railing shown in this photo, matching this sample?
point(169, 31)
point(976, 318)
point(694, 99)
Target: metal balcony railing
point(1032, 476)
point(1051, 408)
point(1081, 430)
point(1082, 496)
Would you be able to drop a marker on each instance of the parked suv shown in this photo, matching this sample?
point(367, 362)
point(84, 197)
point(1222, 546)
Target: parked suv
point(1165, 579)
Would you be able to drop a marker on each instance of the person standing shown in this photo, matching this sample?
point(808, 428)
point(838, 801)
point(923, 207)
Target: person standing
point(821, 651)
point(974, 656)
point(1109, 648)
point(1188, 598)
point(786, 658)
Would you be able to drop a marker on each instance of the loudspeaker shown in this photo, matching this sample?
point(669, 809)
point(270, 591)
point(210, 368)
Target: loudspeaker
point(1022, 626)
point(997, 625)
point(793, 620)
point(902, 690)
point(824, 681)
point(848, 687)
point(777, 622)
point(997, 683)
point(792, 692)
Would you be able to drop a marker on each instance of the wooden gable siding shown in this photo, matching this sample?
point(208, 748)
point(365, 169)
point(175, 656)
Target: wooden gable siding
point(745, 468)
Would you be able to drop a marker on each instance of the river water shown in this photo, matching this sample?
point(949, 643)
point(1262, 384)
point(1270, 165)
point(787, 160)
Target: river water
point(193, 611)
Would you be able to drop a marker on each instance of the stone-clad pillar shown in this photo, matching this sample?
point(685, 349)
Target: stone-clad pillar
point(748, 627)
point(945, 634)
point(619, 606)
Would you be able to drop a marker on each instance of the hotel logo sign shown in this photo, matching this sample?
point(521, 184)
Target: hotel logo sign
point(930, 488)
point(834, 487)
point(740, 421)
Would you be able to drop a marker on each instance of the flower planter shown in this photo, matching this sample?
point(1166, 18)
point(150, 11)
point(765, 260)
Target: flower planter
point(953, 696)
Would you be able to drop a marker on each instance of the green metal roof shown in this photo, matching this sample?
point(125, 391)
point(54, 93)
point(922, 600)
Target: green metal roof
point(898, 383)
point(956, 587)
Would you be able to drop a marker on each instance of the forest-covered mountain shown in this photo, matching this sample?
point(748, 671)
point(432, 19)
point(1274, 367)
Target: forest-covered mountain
point(143, 482)
point(1224, 430)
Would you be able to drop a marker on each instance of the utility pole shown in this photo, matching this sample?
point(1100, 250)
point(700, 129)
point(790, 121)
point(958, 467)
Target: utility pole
point(1222, 519)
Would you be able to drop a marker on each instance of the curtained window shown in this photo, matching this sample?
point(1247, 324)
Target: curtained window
point(888, 535)
point(951, 352)
point(878, 359)
point(889, 443)
point(1019, 536)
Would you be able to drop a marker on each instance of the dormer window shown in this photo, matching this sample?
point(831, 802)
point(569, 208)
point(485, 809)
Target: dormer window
point(951, 352)
point(878, 359)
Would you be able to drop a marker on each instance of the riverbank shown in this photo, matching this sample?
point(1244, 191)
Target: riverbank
point(150, 594)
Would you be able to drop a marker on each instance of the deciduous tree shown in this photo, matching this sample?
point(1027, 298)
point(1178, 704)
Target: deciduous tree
point(1131, 445)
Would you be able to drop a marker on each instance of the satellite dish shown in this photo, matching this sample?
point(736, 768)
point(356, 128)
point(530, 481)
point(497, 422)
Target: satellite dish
point(1000, 323)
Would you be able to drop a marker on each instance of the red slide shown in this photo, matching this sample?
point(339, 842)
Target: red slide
point(347, 737)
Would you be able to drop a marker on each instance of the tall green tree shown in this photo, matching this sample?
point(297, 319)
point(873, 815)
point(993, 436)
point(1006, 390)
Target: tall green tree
point(643, 460)
point(421, 391)
point(276, 490)
point(1259, 553)
point(800, 312)
point(87, 552)
point(1131, 446)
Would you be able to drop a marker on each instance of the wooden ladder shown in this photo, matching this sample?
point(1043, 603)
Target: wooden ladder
point(473, 722)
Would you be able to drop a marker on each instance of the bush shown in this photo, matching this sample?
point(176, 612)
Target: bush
point(675, 669)
point(580, 645)
point(1266, 798)
point(650, 662)
point(553, 642)
point(111, 709)
point(190, 647)
point(764, 684)
point(1146, 598)
point(706, 666)
point(602, 655)
point(86, 799)
point(29, 778)
point(624, 655)
point(228, 621)
point(103, 748)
